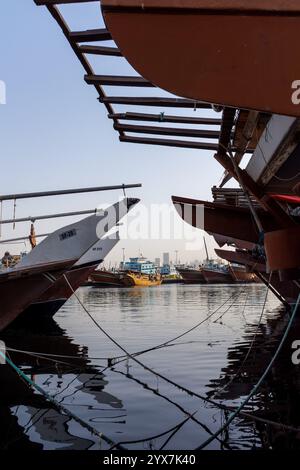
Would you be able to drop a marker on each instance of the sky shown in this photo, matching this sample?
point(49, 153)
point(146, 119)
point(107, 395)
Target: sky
point(54, 134)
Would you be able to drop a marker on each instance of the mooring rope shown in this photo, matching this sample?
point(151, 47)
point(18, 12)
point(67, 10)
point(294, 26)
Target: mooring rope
point(166, 379)
point(162, 434)
point(56, 404)
point(165, 343)
point(257, 385)
point(118, 359)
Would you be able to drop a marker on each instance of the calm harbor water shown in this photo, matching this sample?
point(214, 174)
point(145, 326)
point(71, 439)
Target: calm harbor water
point(132, 405)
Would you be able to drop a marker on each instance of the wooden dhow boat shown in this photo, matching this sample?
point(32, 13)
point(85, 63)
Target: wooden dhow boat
point(56, 296)
point(104, 278)
point(191, 275)
point(24, 284)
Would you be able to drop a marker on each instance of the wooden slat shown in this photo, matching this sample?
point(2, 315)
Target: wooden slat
point(165, 118)
point(117, 80)
point(90, 35)
point(148, 101)
point(200, 133)
point(169, 143)
point(57, 16)
point(61, 2)
point(100, 50)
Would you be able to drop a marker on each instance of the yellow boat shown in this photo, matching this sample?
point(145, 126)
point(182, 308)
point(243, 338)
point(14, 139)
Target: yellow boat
point(141, 280)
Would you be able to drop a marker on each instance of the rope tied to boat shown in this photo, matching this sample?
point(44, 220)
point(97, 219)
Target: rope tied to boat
point(234, 411)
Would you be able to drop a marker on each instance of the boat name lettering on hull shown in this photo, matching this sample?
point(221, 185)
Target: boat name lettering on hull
point(68, 234)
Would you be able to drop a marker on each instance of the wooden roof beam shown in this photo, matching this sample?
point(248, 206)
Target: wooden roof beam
point(169, 143)
point(60, 2)
point(90, 35)
point(149, 101)
point(165, 118)
point(200, 133)
point(117, 80)
point(100, 50)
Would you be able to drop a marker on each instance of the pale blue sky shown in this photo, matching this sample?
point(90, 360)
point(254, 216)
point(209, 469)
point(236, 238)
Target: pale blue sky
point(55, 134)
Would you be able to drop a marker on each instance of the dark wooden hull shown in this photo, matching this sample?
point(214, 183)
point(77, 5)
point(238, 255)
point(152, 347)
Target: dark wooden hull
point(288, 290)
point(240, 275)
point(21, 288)
point(106, 279)
point(221, 219)
point(216, 277)
point(191, 276)
point(57, 295)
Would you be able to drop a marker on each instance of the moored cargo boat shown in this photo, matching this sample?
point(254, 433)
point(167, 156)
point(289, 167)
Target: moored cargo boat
point(104, 278)
point(191, 275)
point(217, 275)
point(240, 274)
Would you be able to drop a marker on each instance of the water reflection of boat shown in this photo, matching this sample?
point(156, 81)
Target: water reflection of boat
point(28, 420)
point(277, 400)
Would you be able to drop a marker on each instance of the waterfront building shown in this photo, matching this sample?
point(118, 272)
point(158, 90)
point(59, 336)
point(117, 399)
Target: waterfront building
point(166, 258)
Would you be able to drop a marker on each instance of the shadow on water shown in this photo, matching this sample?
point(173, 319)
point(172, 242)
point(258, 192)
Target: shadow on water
point(279, 396)
point(28, 420)
point(150, 413)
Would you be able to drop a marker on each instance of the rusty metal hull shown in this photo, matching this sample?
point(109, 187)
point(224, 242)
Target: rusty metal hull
point(213, 51)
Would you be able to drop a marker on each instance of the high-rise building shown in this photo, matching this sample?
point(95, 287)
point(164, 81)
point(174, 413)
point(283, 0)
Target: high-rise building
point(166, 258)
point(157, 262)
